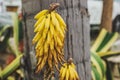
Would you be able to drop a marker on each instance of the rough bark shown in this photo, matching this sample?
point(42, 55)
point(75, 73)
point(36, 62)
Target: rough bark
point(106, 21)
point(77, 43)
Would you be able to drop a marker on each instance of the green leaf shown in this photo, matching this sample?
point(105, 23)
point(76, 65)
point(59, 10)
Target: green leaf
point(10, 68)
point(4, 29)
point(15, 33)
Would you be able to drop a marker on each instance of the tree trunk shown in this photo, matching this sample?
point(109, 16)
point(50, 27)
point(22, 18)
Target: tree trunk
point(106, 21)
point(77, 43)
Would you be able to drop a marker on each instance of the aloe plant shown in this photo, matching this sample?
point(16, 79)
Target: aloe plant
point(4, 40)
point(101, 47)
point(16, 62)
point(4, 29)
point(15, 34)
point(11, 67)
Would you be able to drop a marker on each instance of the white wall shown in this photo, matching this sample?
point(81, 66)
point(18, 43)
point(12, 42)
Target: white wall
point(10, 2)
point(1, 5)
point(95, 10)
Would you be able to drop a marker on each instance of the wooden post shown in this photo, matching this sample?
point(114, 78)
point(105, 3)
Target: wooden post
point(77, 43)
point(106, 21)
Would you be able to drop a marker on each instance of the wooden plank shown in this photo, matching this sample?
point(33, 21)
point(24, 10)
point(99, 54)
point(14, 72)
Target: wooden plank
point(31, 6)
point(74, 40)
point(77, 37)
point(83, 3)
point(30, 23)
point(86, 41)
point(87, 66)
point(81, 71)
point(86, 38)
